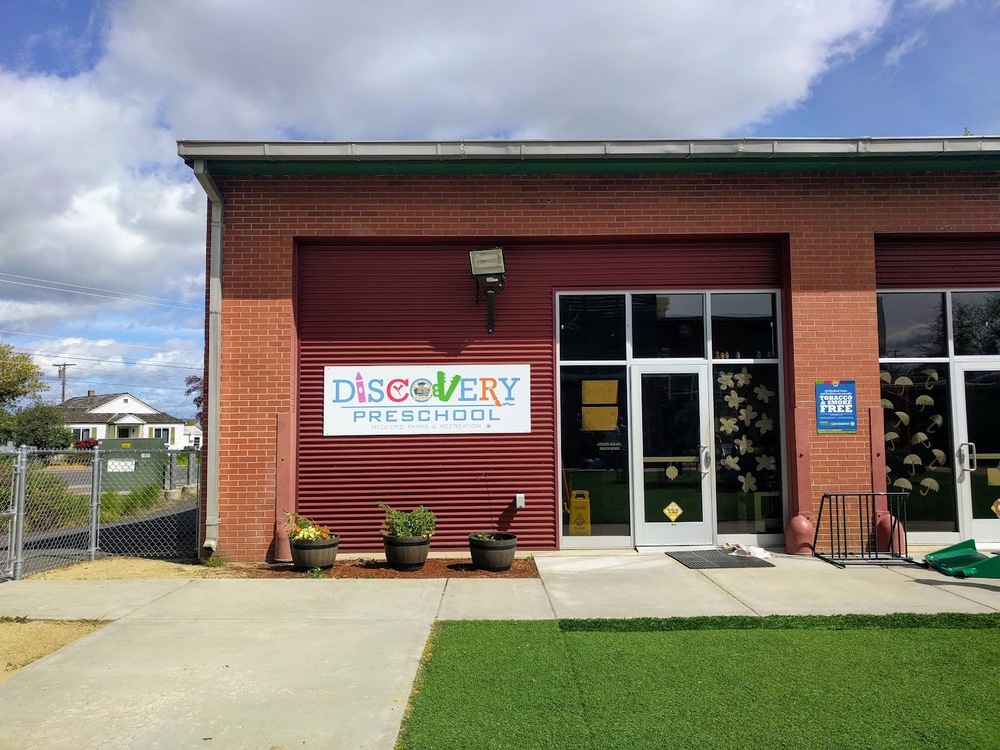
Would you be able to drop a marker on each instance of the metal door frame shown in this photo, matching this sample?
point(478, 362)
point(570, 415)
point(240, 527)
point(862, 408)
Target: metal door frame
point(702, 533)
point(985, 529)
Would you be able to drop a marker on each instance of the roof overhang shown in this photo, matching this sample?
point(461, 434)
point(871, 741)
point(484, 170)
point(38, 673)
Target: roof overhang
point(129, 419)
point(721, 155)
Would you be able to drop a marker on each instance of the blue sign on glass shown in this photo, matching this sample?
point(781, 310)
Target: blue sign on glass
point(836, 406)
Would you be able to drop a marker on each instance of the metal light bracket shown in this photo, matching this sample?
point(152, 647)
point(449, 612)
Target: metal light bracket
point(488, 271)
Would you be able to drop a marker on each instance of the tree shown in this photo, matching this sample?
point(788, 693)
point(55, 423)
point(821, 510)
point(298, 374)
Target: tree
point(41, 426)
point(19, 377)
point(196, 387)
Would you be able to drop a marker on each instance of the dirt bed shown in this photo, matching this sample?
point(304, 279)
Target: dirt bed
point(132, 569)
point(24, 641)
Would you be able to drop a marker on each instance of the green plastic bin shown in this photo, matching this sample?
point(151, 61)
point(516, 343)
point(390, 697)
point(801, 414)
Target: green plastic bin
point(964, 560)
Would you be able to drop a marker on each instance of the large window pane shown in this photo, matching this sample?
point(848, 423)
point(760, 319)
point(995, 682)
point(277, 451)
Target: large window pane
point(747, 449)
point(911, 324)
point(976, 317)
point(744, 326)
point(918, 445)
point(594, 431)
point(668, 325)
point(671, 429)
point(592, 327)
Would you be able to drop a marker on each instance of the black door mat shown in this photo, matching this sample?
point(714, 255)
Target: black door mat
point(703, 559)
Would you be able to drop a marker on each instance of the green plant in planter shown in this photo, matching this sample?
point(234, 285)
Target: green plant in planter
point(492, 550)
point(406, 536)
point(484, 536)
point(420, 521)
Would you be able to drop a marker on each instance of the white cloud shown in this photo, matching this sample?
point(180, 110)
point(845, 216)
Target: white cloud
point(895, 55)
point(94, 194)
point(398, 69)
point(936, 6)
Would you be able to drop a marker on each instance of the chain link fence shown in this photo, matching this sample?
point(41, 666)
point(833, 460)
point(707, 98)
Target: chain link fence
point(60, 507)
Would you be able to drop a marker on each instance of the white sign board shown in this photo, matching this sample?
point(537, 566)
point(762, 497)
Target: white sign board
point(426, 399)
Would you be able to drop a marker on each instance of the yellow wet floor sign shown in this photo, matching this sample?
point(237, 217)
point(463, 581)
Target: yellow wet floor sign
point(579, 513)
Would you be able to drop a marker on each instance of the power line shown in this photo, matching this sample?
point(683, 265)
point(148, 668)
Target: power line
point(62, 284)
point(105, 359)
point(96, 341)
point(134, 386)
point(59, 286)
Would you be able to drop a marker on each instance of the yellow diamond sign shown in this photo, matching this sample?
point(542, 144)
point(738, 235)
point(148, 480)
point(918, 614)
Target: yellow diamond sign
point(996, 507)
point(672, 511)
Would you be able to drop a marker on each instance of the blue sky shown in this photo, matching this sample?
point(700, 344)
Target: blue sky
point(946, 82)
point(102, 227)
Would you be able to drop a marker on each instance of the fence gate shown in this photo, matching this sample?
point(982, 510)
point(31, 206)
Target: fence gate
point(60, 507)
point(8, 494)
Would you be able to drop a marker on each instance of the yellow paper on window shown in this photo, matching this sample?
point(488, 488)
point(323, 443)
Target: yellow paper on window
point(600, 391)
point(600, 417)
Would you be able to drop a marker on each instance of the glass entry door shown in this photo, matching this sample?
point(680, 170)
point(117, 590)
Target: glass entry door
point(671, 455)
point(978, 464)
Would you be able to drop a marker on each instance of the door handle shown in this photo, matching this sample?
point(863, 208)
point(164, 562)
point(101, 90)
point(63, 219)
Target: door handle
point(967, 456)
point(704, 459)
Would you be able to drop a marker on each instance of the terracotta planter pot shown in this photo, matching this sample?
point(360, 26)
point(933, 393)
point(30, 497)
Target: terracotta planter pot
point(406, 552)
point(319, 553)
point(496, 554)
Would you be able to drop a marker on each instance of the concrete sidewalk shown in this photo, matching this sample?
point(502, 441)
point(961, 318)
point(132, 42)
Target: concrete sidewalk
point(330, 664)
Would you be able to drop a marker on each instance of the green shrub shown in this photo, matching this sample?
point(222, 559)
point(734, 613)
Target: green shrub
point(50, 503)
point(420, 521)
point(118, 505)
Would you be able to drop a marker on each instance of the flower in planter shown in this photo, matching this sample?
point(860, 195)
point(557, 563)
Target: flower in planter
point(301, 529)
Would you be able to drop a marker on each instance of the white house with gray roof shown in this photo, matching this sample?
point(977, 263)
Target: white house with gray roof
point(122, 415)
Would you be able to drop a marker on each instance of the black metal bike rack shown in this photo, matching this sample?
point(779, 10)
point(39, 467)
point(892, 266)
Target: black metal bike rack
point(853, 519)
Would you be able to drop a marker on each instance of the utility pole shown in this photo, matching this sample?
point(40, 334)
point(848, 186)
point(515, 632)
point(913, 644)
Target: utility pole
point(62, 376)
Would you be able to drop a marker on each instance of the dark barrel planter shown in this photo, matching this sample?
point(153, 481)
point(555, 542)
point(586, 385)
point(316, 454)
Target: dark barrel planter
point(495, 554)
point(406, 553)
point(317, 553)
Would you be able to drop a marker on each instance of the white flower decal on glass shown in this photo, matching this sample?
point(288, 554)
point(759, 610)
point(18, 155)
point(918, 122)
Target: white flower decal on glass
point(728, 425)
point(731, 462)
point(764, 424)
point(749, 482)
point(765, 463)
point(763, 393)
point(725, 380)
point(747, 414)
point(743, 377)
point(745, 445)
point(734, 400)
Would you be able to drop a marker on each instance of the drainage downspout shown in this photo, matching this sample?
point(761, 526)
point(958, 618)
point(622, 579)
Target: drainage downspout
point(214, 378)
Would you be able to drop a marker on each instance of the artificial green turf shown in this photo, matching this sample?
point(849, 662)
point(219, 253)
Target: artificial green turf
point(494, 685)
point(903, 681)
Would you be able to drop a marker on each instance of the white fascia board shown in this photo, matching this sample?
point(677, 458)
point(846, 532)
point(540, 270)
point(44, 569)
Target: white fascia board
point(593, 149)
point(129, 419)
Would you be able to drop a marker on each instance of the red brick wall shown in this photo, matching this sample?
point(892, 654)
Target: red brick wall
point(830, 222)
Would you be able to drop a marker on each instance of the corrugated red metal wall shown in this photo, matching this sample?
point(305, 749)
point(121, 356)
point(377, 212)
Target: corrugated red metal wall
point(956, 262)
point(414, 303)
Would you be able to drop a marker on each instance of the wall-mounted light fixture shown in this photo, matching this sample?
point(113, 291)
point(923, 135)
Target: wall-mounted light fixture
point(488, 271)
